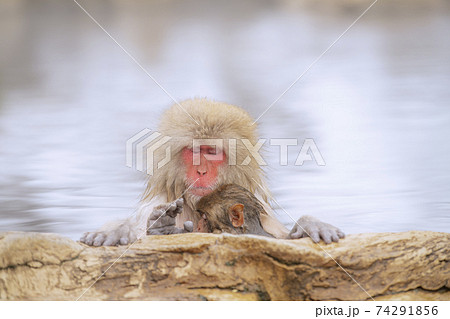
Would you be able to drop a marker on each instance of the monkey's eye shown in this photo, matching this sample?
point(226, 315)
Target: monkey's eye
point(202, 213)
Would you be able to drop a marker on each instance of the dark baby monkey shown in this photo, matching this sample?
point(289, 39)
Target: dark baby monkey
point(231, 209)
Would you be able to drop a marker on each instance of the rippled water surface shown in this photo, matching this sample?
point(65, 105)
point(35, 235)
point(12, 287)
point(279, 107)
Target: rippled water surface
point(376, 104)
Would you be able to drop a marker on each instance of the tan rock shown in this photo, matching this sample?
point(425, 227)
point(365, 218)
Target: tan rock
point(387, 266)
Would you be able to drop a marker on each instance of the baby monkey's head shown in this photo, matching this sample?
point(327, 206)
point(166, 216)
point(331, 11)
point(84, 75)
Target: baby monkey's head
point(231, 209)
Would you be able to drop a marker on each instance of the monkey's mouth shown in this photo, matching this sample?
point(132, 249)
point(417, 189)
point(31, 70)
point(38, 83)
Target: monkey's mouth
point(200, 191)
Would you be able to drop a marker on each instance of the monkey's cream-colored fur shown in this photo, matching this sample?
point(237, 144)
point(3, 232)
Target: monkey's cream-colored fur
point(215, 120)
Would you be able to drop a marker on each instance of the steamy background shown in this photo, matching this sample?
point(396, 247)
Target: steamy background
point(377, 104)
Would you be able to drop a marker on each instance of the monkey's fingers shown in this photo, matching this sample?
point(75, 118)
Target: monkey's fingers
point(189, 226)
point(296, 233)
point(162, 221)
point(83, 238)
point(92, 239)
point(326, 235)
point(335, 237)
point(314, 234)
point(171, 209)
point(164, 210)
point(166, 230)
point(160, 231)
point(175, 208)
point(330, 233)
point(180, 202)
point(157, 213)
point(305, 229)
point(114, 239)
point(95, 239)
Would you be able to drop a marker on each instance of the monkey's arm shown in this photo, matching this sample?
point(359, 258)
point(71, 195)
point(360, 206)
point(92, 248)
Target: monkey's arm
point(273, 226)
point(308, 226)
point(125, 231)
point(270, 223)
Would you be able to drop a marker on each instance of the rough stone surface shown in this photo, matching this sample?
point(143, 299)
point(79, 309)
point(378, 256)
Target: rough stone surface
point(387, 266)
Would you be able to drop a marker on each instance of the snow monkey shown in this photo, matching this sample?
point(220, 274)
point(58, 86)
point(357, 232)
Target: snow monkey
point(231, 209)
point(211, 144)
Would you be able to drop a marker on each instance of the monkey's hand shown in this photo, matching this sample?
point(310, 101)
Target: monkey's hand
point(111, 235)
point(128, 231)
point(162, 219)
point(308, 226)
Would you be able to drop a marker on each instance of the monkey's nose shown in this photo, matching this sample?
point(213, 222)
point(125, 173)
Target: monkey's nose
point(201, 172)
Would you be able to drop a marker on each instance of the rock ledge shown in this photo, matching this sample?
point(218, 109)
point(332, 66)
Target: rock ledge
point(389, 266)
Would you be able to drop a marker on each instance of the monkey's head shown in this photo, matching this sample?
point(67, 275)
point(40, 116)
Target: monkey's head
point(207, 149)
point(230, 209)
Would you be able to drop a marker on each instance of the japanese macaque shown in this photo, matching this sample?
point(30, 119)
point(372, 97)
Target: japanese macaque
point(231, 209)
point(209, 146)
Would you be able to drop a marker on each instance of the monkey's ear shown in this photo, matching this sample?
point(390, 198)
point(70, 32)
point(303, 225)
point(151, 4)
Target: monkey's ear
point(236, 213)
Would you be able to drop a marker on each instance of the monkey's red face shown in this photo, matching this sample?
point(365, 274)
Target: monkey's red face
point(202, 168)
